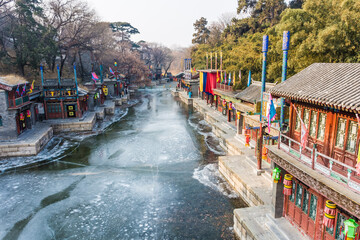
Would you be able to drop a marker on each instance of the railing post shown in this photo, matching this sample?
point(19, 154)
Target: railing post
point(314, 156)
point(289, 145)
point(348, 175)
point(331, 165)
point(279, 141)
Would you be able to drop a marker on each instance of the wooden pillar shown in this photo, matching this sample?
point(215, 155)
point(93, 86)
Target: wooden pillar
point(62, 109)
point(319, 229)
point(78, 109)
point(259, 148)
point(45, 110)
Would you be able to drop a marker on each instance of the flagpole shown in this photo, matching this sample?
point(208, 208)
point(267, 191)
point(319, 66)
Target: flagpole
point(42, 74)
point(249, 80)
point(286, 40)
point(58, 71)
point(101, 73)
point(76, 83)
point(263, 77)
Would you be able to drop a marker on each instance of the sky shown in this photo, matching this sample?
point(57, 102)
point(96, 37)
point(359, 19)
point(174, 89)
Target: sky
point(169, 22)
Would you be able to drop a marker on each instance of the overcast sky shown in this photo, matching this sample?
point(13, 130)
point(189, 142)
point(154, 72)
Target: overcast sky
point(169, 22)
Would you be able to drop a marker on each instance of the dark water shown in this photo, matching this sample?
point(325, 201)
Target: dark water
point(152, 174)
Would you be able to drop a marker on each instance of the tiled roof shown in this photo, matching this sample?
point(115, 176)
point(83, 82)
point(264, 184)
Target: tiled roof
point(51, 82)
point(334, 85)
point(67, 82)
point(12, 80)
point(252, 93)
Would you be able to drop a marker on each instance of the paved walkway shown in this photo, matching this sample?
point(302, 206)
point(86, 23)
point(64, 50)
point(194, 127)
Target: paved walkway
point(239, 168)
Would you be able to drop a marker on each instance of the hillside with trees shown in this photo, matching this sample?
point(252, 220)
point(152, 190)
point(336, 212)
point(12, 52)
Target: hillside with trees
point(321, 31)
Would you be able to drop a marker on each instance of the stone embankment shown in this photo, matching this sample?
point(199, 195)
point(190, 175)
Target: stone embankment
point(239, 168)
point(32, 141)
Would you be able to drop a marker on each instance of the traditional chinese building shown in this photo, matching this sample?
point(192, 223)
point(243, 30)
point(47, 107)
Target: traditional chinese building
point(323, 102)
point(248, 107)
point(16, 111)
point(61, 99)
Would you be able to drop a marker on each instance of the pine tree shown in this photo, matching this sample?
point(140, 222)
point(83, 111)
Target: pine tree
point(202, 33)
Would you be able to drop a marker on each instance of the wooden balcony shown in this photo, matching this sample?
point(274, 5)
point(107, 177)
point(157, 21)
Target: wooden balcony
point(18, 102)
point(224, 87)
point(331, 168)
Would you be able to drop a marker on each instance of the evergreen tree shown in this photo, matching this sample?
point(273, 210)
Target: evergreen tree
point(202, 33)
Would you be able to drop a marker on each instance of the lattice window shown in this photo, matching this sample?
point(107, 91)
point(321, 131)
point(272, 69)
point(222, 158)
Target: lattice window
point(339, 235)
point(313, 206)
point(305, 205)
point(340, 135)
point(352, 136)
point(299, 192)
point(297, 121)
point(306, 117)
point(292, 196)
point(321, 126)
point(313, 121)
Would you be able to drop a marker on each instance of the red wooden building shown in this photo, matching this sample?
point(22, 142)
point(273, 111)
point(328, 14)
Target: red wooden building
point(61, 100)
point(16, 112)
point(326, 96)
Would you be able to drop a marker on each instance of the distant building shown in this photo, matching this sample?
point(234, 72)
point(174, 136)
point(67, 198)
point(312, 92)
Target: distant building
point(17, 113)
point(62, 99)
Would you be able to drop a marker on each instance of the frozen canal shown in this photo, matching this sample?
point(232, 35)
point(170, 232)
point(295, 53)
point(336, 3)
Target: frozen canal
point(150, 175)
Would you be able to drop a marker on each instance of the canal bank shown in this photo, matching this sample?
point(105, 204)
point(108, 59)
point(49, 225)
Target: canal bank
point(239, 169)
point(150, 175)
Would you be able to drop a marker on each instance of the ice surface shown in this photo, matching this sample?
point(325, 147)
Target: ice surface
point(147, 175)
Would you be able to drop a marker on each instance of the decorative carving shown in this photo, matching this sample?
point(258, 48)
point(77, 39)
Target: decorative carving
point(338, 198)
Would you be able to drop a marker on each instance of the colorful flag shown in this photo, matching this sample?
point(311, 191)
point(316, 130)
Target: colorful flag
point(358, 157)
point(272, 112)
point(217, 77)
point(240, 76)
point(18, 89)
point(112, 72)
point(304, 130)
point(225, 79)
point(229, 78)
point(234, 79)
point(24, 90)
point(222, 77)
point(32, 87)
point(94, 76)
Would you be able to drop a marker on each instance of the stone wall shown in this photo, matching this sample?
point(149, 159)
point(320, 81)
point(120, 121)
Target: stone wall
point(8, 130)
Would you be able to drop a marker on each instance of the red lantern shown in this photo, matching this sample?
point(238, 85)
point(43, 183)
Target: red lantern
point(22, 117)
point(287, 185)
point(247, 139)
point(224, 102)
point(230, 105)
point(28, 113)
point(264, 153)
point(329, 214)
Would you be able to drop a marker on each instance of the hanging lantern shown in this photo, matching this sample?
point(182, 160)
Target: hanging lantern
point(238, 115)
point(329, 214)
point(22, 117)
point(230, 105)
point(224, 103)
point(214, 97)
point(276, 175)
point(247, 140)
point(28, 113)
point(350, 227)
point(287, 184)
point(264, 152)
point(52, 93)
